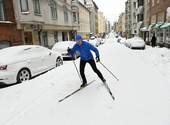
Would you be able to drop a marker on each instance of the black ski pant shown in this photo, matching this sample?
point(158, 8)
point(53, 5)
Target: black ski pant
point(93, 65)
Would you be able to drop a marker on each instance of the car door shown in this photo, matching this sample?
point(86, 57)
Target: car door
point(47, 58)
point(32, 60)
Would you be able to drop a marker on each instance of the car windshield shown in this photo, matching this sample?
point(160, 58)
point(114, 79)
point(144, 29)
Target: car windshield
point(92, 38)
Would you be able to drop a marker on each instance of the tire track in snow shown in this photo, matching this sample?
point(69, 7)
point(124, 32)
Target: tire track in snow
point(161, 99)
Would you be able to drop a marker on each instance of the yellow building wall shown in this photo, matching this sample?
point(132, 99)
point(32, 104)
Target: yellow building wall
point(101, 23)
point(84, 19)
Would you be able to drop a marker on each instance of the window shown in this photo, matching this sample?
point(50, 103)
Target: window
point(55, 36)
point(153, 2)
point(168, 36)
point(24, 5)
point(2, 14)
point(158, 1)
point(78, 17)
point(65, 14)
point(36, 6)
point(160, 17)
point(160, 36)
point(44, 36)
point(74, 16)
point(53, 9)
point(85, 2)
point(4, 44)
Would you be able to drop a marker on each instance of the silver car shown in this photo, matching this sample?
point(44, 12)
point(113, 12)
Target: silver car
point(62, 48)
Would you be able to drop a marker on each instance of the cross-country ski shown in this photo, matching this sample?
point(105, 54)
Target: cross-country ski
point(75, 91)
point(108, 89)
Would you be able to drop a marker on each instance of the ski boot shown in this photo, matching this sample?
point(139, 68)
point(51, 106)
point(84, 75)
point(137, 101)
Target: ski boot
point(83, 85)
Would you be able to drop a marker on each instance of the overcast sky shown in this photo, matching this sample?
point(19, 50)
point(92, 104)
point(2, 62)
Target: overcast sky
point(111, 8)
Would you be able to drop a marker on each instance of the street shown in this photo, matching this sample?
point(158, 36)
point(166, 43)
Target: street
point(142, 95)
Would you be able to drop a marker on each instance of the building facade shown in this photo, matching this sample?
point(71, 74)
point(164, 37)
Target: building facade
point(45, 22)
point(158, 17)
point(93, 8)
point(101, 24)
point(84, 18)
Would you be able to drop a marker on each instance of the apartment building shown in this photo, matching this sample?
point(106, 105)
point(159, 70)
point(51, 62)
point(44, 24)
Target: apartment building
point(128, 27)
point(134, 17)
point(159, 21)
point(121, 25)
point(45, 22)
point(144, 32)
point(101, 24)
point(93, 8)
point(84, 19)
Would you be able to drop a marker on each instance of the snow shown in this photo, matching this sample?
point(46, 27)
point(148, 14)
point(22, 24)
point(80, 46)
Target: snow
point(142, 95)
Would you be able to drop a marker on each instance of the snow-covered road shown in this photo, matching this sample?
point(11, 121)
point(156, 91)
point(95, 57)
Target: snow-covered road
point(142, 95)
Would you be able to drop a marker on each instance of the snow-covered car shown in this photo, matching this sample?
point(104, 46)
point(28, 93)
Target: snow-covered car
point(118, 40)
point(100, 40)
point(62, 48)
point(20, 63)
point(135, 42)
point(122, 40)
point(94, 41)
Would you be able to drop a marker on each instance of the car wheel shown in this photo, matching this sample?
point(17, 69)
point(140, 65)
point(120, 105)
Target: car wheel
point(130, 47)
point(59, 62)
point(23, 75)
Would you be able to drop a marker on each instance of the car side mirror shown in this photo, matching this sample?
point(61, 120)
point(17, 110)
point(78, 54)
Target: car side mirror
point(50, 53)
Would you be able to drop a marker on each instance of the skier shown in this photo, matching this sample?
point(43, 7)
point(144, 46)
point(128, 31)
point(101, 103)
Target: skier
point(84, 48)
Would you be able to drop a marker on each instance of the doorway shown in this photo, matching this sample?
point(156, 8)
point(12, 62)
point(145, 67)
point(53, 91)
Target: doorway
point(28, 38)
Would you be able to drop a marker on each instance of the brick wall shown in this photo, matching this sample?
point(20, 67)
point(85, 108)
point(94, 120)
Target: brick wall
point(161, 6)
point(8, 31)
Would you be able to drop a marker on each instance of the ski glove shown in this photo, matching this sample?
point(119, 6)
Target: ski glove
point(97, 59)
point(69, 50)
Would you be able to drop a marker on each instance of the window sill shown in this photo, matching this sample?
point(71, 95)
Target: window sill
point(37, 14)
point(54, 18)
point(25, 12)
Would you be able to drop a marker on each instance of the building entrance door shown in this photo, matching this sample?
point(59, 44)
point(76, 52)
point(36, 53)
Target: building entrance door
point(28, 38)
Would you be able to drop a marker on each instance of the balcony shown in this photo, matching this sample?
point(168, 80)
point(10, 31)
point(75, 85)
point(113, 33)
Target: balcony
point(140, 10)
point(75, 5)
point(134, 20)
point(140, 24)
point(129, 12)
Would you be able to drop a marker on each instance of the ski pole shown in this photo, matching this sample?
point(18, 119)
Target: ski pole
point(110, 72)
point(76, 68)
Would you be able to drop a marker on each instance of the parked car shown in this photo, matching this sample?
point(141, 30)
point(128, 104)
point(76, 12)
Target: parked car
point(122, 40)
point(136, 42)
point(62, 48)
point(20, 63)
point(94, 41)
point(118, 40)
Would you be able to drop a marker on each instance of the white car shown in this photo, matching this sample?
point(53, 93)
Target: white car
point(136, 42)
point(94, 41)
point(62, 47)
point(20, 63)
point(122, 40)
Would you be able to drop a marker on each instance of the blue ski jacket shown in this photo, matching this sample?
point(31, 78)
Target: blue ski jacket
point(84, 50)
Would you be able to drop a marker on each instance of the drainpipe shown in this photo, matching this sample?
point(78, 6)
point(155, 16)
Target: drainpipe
point(149, 21)
point(39, 35)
